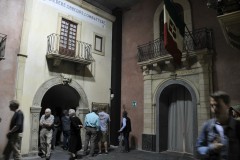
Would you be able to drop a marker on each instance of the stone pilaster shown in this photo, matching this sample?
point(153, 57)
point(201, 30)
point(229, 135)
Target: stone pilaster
point(148, 107)
point(148, 136)
point(205, 87)
point(35, 113)
point(20, 76)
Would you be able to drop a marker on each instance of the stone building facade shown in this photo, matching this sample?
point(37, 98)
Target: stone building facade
point(11, 21)
point(150, 77)
point(64, 62)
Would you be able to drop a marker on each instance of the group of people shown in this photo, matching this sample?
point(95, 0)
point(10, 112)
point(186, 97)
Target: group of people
point(218, 140)
point(71, 126)
point(96, 126)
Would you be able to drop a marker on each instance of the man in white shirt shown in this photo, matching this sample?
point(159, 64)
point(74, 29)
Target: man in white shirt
point(46, 122)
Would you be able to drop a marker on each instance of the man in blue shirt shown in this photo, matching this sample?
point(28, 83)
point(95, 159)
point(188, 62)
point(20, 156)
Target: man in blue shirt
point(103, 134)
point(220, 136)
point(91, 124)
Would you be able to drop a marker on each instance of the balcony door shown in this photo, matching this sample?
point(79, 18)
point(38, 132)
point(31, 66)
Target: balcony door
point(68, 34)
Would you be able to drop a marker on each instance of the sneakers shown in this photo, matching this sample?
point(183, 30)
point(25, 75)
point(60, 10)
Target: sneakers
point(43, 156)
point(64, 148)
point(85, 153)
point(91, 155)
point(106, 152)
point(124, 151)
point(73, 157)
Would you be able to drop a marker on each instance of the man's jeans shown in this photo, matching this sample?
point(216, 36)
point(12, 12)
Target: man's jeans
point(66, 135)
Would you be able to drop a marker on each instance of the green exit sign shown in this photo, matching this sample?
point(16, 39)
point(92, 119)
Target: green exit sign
point(134, 104)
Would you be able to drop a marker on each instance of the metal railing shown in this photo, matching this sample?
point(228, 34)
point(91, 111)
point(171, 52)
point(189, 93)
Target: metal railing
point(78, 50)
point(3, 39)
point(195, 40)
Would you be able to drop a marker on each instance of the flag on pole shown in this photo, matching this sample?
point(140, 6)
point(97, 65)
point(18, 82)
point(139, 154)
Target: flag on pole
point(173, 32)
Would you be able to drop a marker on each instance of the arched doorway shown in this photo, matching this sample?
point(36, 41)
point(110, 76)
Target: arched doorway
point(67, 86)
point(59, 98)
point(176, 117)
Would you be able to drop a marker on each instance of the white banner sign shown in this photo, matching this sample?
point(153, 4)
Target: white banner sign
point(76, 11)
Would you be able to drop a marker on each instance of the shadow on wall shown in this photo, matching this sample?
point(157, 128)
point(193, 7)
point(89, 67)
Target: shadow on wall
point(71, 68)
point(133, 142)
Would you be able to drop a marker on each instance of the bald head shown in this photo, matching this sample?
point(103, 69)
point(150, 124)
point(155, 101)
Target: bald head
point(47, 112)
point(71, 112)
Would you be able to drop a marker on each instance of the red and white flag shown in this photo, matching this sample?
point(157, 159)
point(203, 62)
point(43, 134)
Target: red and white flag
point(173, 32)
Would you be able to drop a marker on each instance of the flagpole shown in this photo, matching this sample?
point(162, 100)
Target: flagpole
point(190, 34)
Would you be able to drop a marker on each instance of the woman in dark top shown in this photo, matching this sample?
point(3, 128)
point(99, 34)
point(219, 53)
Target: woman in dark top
point(75, 142)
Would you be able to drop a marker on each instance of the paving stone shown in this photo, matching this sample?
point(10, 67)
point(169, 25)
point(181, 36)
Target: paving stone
point(115, 154)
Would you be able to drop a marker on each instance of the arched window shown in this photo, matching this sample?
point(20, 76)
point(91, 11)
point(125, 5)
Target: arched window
point(161, 25)
point(180, 13)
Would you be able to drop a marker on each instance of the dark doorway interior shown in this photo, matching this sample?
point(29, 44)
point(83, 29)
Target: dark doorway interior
point(59, 98)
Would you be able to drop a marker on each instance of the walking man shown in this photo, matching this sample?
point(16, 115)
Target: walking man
point(104, 124)
point(220, 136)
point(46, 122)
point(91, 124)
point(15, 133)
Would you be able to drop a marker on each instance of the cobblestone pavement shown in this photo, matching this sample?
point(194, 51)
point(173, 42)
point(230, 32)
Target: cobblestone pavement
point(114, 154)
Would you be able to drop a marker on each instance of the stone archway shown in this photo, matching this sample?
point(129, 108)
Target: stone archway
point(81, 110)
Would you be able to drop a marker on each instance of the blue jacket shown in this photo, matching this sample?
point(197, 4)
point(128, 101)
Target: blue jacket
point(230, 139)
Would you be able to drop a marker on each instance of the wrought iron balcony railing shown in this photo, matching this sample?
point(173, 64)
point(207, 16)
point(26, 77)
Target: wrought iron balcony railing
point(73, 50)
point(3, 39)
point(193, 41)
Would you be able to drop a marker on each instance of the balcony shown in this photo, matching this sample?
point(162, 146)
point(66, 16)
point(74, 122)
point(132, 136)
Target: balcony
point(228, 15)
point(154, 51)
point(72, 51)
point(3, 39)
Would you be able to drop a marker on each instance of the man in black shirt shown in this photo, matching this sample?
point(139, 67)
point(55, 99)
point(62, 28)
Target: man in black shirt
point(15, 133)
